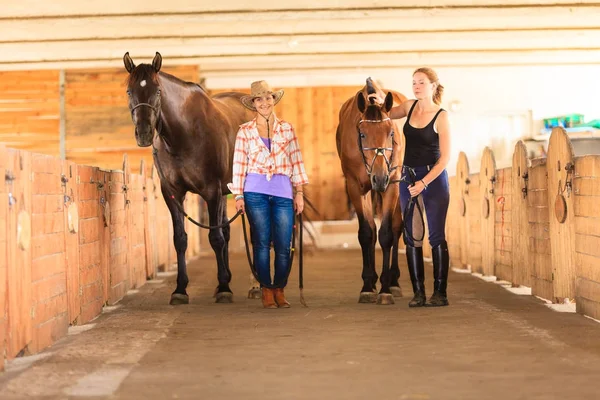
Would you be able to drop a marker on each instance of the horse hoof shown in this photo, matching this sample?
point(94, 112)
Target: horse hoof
point(396, 291)
point(385, 299)
point(178, 299)
point(367, 297)
point(254, 294)
point(224, 297)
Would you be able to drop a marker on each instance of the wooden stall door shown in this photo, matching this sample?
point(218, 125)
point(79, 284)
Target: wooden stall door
point(3, 255)
point(90, 244)
point(49, 307)
point(463, 181)
point(474, 209)
point(503, 221)
point(72, 213)
point(540, 246)
point(118, 268)
point(487, 178)
point(521, 265)
point(587, 232)
point(19, 185)
point(561, 167)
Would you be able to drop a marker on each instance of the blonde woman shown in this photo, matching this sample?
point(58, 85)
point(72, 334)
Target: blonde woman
point(427, 134)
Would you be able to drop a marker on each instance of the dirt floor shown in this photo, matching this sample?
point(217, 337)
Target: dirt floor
point(488, 344)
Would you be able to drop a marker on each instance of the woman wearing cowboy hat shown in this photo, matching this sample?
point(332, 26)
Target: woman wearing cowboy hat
point(268, 175)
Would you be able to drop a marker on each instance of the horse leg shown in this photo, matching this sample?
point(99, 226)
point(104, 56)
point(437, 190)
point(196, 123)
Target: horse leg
point(179, 296)
point(366, 238)
point(394, 268)
point(386, 241)
point(217, 242)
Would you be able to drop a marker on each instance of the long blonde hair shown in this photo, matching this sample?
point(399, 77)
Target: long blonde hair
point(433, 78)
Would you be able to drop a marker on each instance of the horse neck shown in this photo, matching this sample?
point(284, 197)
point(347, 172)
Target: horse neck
point(176, 124)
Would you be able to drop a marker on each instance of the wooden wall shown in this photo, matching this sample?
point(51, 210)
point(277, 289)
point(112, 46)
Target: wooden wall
point(313, 112)
point(30, 110)
point(546, 233)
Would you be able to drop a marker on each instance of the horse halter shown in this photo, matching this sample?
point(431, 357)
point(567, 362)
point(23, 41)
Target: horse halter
point(379, 151)
point(154, 109)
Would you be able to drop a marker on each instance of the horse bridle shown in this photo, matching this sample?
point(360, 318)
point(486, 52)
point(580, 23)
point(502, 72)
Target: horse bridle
point(379, 151)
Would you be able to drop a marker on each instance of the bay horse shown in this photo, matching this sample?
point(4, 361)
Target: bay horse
point(369, 149)
point(193, 152)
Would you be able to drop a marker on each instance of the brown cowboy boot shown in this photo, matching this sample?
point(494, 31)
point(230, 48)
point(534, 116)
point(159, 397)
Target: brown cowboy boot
point(267, 298)
point(280, 298)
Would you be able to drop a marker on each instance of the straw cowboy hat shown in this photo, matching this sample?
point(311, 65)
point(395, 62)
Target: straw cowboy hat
point(259, 89)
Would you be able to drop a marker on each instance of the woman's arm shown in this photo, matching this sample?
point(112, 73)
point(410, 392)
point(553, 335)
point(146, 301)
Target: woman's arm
point(240, 164)
point(397, 112)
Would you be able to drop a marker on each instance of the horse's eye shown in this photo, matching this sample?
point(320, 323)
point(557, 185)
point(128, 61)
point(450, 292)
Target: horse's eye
point(158, 92)
point(129, 93)
point(362, 135)
point(392, 133)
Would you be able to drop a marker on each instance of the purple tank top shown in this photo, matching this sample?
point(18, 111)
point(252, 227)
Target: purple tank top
point(279, 185)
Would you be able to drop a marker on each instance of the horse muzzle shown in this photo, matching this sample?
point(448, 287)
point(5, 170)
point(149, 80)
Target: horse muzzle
point(379, 183)
point(144, 136)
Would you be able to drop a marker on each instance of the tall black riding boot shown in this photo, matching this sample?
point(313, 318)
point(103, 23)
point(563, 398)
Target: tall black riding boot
point(416, 268)
point(441, 264)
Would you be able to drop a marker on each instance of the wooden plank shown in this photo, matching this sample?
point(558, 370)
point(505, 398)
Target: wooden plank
point(20, 333)
point(539, 244)
point(29, 111)
point(119, 268)
point(463, 181)
point(91, 285)
point(487, 176)
point(519, 219)
point(3, 255)
point(149, 223)
point(49, 310)
point(562, 234)
point(102, 210)
point(70, 187)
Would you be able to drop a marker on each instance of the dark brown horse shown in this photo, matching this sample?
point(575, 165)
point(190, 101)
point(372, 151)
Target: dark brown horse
point(193, 151)
point(369, 147)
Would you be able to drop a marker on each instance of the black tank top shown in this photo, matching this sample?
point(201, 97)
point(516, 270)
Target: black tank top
point(422, 144)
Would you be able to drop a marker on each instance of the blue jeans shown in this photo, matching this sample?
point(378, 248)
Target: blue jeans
point(271, 219)
point(433, 201)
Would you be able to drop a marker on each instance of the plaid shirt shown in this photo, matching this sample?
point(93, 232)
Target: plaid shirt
point(251, 155)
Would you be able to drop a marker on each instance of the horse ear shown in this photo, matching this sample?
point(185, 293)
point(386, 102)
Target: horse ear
point(389, 102)
point(362, 103)
point(129, 65)
point(157, 62)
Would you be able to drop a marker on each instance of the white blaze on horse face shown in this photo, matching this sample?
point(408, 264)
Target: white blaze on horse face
point(143, 83)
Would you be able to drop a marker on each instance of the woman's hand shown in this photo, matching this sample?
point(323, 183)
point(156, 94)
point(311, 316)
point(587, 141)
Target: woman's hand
point(416, 189)
point(239, 205)
point(299, 202)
